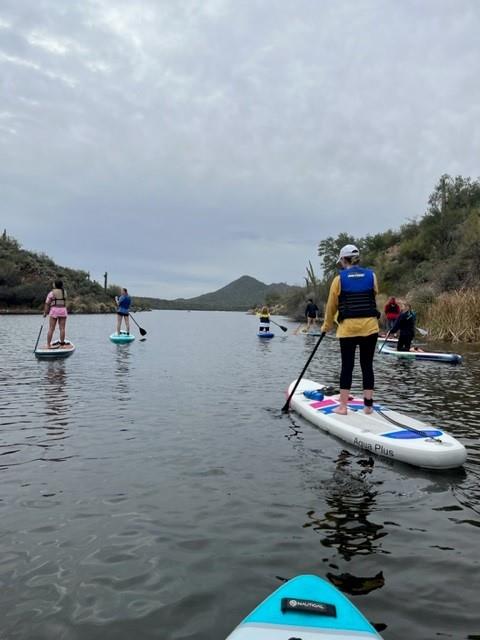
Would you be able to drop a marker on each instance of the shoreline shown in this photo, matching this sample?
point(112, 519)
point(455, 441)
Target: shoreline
point(31, 312)
point(20, 312)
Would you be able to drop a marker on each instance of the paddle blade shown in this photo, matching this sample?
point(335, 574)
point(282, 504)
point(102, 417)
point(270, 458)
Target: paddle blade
point(283, 328)
point(142, 331)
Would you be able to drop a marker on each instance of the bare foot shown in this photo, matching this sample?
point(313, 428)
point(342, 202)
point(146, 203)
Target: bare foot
point(367, 410)
point(341, 410)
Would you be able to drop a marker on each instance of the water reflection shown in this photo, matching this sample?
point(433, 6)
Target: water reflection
point(346, 526)
point(356, 585)
point(57, 404)
point(57, 411)
point(122, 371)
point(264, 346)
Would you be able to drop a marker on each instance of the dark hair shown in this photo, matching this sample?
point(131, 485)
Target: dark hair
point(58, 284)
point(351, 259)
point(124, 289)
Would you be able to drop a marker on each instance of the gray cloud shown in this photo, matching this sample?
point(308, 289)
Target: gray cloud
point(179, 145)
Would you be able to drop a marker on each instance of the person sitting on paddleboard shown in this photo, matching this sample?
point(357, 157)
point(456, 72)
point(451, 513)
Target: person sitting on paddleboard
point(405, 324)
point(123, 310)
point(352, 294)
point(264, 319)
point(56, 309)
point(392, 311)
point(311, 313)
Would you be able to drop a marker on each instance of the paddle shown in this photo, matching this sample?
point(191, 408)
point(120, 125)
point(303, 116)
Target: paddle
point(384, 341)
point(404, 426)
point(278, 325)
point(286, 406)
point(142, 331)
point(38, 337)
point(422, 332)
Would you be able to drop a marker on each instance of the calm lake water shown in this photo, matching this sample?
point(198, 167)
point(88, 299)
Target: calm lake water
point(155, 490)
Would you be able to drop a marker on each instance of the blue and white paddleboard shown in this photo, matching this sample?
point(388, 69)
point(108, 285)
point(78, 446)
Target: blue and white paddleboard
point(385, 432)
point(435, 356)
point(265, 334)
point(122, 338)
point(305, 608)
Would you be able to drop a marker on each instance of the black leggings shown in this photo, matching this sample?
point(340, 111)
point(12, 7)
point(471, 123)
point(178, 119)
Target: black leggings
point(348, 347)
point(404, 342)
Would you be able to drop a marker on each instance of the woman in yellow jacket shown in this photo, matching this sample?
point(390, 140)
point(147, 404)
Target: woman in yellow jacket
point(352, 297)
point(264, 319)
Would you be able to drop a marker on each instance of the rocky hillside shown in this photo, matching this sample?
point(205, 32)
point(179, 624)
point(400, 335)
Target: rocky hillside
point(26, 278)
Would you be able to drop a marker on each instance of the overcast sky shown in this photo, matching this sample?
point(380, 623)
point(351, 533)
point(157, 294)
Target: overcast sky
point(180, 144)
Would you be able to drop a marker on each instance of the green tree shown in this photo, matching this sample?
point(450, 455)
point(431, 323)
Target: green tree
point(328, 250)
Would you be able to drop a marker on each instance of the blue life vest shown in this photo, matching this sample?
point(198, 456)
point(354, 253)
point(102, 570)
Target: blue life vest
point(357, 294)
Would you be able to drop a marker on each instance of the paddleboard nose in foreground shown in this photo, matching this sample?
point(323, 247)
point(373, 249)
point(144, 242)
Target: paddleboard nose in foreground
point(305, 608)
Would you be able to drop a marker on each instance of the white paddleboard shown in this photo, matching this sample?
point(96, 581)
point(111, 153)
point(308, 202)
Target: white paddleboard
point(57, 351)
point(435, 356)
point(385, 432)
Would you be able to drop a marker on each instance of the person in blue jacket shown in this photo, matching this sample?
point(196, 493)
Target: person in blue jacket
point(123, 309)
point(311, 314)
point(405, 325)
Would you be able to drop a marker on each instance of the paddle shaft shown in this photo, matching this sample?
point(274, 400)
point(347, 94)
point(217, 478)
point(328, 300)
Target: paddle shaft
point(278, 325)
point(384, 341)
point(286, 406)
point(38, 337)
point(404, 426)
point(142, 331)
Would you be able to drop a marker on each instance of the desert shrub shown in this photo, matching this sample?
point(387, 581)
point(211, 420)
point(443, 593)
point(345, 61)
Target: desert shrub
point(454, 316)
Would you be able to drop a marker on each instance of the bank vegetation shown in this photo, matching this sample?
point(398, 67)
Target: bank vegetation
point(432, 262)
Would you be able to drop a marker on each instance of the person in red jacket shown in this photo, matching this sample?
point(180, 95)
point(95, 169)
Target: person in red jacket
point(392, 311)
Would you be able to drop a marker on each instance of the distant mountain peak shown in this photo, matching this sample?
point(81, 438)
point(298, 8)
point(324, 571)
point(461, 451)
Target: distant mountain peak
point(239, 295)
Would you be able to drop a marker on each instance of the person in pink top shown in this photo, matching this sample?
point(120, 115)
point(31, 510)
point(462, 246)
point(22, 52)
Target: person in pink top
point(56, 309)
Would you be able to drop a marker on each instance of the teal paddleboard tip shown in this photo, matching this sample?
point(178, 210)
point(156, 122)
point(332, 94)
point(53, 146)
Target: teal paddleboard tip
point(307, 605)
point(122, 337)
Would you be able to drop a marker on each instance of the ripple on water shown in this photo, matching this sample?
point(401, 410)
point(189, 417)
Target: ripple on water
point(158, 488)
